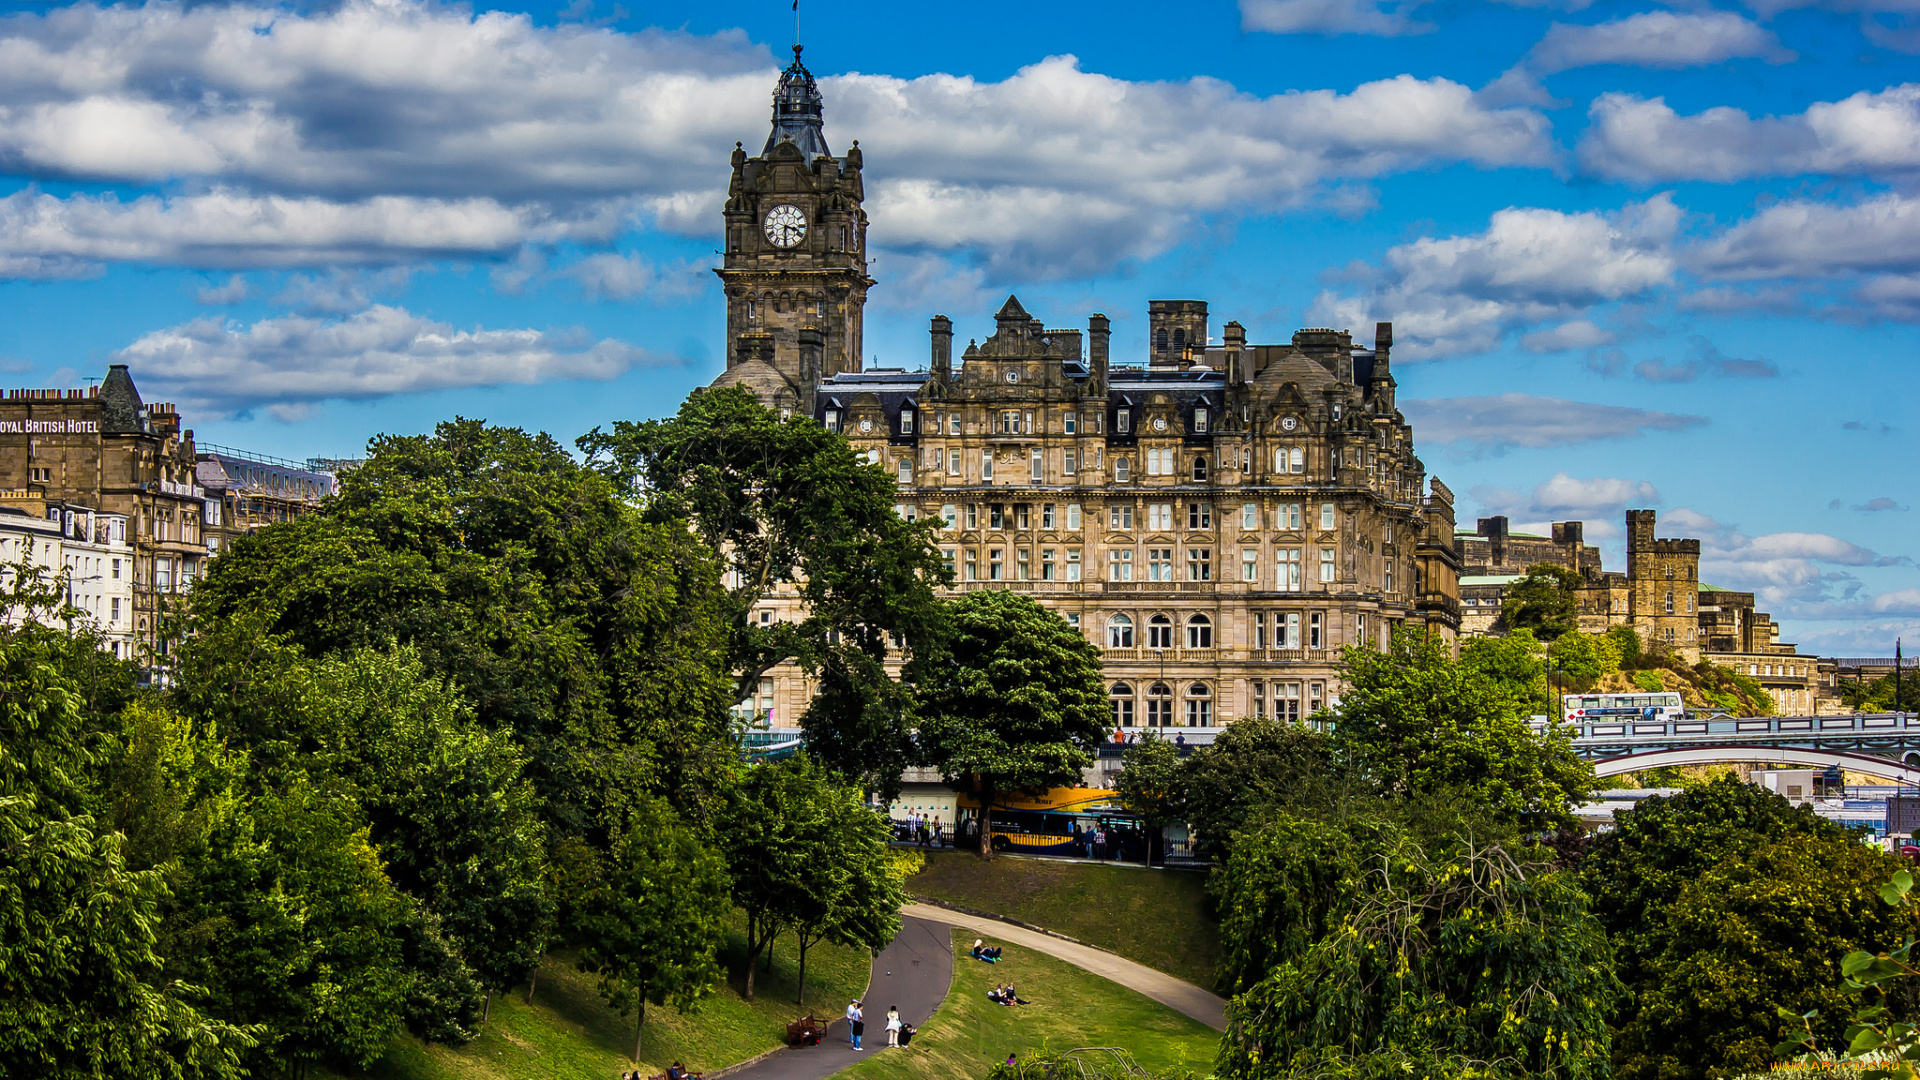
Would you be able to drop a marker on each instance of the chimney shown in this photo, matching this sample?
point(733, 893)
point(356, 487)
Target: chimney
point(1098, 332)
point(942, 333)
point(1235, 337)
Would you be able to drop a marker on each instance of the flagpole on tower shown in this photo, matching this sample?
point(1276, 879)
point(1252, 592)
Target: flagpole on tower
point(796, 26)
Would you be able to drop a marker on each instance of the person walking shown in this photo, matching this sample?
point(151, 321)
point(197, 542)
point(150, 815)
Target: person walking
point(893, 1025)
point(856, 1024)
point(1100, 842)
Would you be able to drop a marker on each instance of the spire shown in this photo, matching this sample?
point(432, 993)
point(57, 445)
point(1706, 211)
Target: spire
point(796, 112)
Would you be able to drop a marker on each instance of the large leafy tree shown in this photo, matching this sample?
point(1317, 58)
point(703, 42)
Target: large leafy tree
point(1722, 900)
point(791, 507)
point(1015, 703)
point(1545, 601)
point(1415, 721)
point(653, 927)
point(1253, 764)
point(1150, 784)
point(863, 912)
point(776, 832)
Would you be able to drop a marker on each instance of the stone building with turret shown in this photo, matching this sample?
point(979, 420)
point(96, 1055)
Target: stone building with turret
point(1219, 516)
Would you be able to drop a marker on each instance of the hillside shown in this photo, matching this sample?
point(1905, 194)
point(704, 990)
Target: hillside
point(1159, 918)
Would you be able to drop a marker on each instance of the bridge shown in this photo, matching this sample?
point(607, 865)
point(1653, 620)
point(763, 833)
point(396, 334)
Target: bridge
point(1885, 745)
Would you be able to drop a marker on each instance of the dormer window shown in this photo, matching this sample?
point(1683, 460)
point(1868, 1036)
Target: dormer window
point(906, 421)
point(1200, 419)
point(833, 419)
point(1123, 421)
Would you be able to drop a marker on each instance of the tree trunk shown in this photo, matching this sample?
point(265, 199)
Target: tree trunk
point(986, 822)
point(486, 1006)
point(769, 963)
point(800, 998)
point(640, 1028)
point(531, 979)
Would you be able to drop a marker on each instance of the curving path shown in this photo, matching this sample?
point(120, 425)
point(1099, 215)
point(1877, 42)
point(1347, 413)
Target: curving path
point(1175, 994)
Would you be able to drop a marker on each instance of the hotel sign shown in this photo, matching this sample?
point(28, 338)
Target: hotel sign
point(49, 427)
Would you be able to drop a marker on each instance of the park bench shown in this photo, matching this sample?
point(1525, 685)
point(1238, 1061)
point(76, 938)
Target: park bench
point(805, 1031)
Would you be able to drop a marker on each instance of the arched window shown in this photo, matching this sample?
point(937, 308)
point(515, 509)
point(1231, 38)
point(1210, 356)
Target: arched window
point(1199, 468)
point(1119, 632)
point(1160, 339)
point(1159, 632)
point(1122, 697)
point(1199, 633)
point(1159, 705)
point(1200, 419)
point(1669, 603)
point(1199, 706)
point(1179, 339)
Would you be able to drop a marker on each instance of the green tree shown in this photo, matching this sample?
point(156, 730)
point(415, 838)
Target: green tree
point(1151, 784)
point(1584, 657)
point(652, 932)
point(791, 505)
point(1415, 721)
point(776, 832)
point(1016, 703)
point(1626, 645)
point(1545, 601)
point(1392, 955)
point(862, 908)
point(1253, 764)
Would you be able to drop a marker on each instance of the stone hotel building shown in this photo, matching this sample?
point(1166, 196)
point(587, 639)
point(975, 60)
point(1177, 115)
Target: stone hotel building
point(1219, 516)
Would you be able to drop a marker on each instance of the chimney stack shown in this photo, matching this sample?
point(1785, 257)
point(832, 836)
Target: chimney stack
point(1098, 332)
point(942, 333)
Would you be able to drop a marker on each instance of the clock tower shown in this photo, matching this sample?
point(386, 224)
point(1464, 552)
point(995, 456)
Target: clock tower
point(795, 272)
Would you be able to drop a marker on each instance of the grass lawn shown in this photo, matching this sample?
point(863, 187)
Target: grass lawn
point(570, 1034)
point(1154, 917)
point(1070, 1008)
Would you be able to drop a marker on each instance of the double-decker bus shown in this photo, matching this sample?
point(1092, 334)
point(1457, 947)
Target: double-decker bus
point(1625, 707)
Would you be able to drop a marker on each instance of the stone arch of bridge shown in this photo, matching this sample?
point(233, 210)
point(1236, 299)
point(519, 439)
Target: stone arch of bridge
point(1885, 768)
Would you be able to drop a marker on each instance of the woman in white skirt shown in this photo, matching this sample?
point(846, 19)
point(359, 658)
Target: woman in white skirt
point(893, 1025)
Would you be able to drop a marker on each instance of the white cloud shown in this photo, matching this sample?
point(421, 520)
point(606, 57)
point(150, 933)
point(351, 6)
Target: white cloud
point(1902, 601)
point(1802, 239)
point(218, 368)
point(232, 291)
point(1791, 573)
point(1661, 39)
point(1879, 504)
point(1868, 134)
point(615, 276)
point(42, 235)
point(1331, 17)
point(1578, 334)
point(1462, 294)
point(1565, 497)
point(1052, 170)
point(1528, 420)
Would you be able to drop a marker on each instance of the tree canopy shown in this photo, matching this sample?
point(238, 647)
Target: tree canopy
point(1545, 601)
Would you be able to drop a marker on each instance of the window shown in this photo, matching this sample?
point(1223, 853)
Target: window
point(873, 457)
point(1046, 564)
point(1287, 517)
point(1123, 421)
point(753, 312)
point(1199, 515)
point(1071, 424)
point(953, 423)
point(116, 609)
point(1249, 564)
point(1689, 603)
point(973, 515)
point(1159, 632)
point(1287, 635)
point(1389, 579)
point(951, 569)
point(1069, 462)
point(1122, 696)
point(1326, 565)
point(986, 464)
point(1360, 630)
point(1199, 632)
point(1119, 632)
point(116, 569)
point(1159, 705)
point(1199, 706)
point(907, 511)
point(1315, 691)
point(1259, 629)
point(1020, 570)
point(1287, 576)
point(1286, 701)
point(1199, 469)
point(1669, 596)
point(973, 565)
point(1159, 517)
point(1119, 566)
point(833, 420)
point(953, 463)
point(906, 421)
point(1022, 516)
point(163, 575)
point(1120, 470)
point(1035, 470)
point(1326, 515)
point(1046, 515)
point(1073, 517)
point(1297, 460)
point(995, 564)
point(1073, 564)
point(1199, 564)
point(1159, 564)
point(996, 516)
point(1249, 515)
point(946, 516)
point(905, 471)
point(1200, 419)
point(1260, 699)
point(1120, 517)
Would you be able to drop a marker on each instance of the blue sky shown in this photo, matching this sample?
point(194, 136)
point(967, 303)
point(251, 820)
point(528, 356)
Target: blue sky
point(1635, 254)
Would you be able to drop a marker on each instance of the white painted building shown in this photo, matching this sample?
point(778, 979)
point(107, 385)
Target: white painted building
point(99, 564)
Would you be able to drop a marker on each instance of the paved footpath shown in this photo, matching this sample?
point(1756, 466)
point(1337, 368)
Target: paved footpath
point(913, 972)
point(1175, 994)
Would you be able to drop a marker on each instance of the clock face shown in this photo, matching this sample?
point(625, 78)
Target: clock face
point(1159, 423)
point(786, 225)
point(1288, 423)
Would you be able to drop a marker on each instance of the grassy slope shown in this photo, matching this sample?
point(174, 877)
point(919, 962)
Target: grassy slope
point(570, 1034)
point(1069, 1008)
point(1155, 917)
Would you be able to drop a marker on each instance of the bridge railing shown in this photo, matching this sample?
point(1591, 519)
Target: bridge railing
point(1744, 727)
